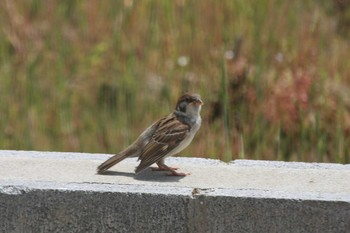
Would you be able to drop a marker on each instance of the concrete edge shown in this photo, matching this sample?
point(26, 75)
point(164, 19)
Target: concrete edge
point(18, 187)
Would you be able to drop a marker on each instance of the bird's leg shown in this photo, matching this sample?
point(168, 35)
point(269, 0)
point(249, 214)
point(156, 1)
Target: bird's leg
point(174, 173)
point(163, 167)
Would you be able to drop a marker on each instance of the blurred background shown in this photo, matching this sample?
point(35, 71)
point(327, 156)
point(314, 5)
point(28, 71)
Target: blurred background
point(90, 76)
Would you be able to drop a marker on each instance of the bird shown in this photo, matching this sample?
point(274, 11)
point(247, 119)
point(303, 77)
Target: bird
point(166, 137)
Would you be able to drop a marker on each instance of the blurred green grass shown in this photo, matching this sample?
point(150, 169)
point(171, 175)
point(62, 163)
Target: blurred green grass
point(90, 76)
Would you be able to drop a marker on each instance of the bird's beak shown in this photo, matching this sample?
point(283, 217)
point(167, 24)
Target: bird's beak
point(199, 102)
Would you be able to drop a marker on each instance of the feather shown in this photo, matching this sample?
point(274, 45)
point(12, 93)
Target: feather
point(169, 134)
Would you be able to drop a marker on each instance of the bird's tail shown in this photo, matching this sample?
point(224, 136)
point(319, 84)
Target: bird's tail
point(111, 162)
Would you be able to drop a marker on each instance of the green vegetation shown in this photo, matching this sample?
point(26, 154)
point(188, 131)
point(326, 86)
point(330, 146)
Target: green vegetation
point(91, 75)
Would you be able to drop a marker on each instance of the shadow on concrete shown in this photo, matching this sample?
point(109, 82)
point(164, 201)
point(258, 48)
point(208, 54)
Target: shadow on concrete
point(157, 176)
point(115, 173)
point(147, 175)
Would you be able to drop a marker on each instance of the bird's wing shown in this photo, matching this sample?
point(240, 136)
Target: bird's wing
point(169, 134)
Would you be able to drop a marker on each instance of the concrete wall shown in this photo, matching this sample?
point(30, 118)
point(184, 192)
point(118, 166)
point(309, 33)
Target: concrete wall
point(60, 192)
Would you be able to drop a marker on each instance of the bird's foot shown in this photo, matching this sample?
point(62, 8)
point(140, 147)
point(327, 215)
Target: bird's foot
point(164, 168)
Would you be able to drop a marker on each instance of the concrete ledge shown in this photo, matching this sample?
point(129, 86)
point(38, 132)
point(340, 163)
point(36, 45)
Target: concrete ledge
point(60, 192)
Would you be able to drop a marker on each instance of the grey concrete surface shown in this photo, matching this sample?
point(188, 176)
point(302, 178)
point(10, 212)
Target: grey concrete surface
point(61, 192)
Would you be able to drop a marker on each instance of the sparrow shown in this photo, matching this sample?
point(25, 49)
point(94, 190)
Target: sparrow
point(166, 137)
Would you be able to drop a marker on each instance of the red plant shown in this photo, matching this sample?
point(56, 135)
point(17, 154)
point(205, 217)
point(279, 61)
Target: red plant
point(289, 99)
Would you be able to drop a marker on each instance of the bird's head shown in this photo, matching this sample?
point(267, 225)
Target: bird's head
point(189, 104)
